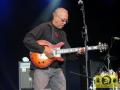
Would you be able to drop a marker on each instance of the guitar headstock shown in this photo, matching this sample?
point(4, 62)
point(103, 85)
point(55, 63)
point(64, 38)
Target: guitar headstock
point(102, 46)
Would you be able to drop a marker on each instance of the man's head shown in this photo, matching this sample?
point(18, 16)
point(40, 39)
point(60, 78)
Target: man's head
point(60, 18)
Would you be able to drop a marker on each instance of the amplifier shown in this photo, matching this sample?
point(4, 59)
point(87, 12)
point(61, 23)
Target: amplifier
point(25, 79)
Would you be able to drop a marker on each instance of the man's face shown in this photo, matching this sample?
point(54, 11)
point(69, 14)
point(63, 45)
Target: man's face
point(60, 18)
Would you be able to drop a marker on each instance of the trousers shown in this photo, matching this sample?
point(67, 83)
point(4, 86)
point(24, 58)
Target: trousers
point(54, 77)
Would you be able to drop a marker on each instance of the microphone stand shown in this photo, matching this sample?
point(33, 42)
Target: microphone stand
point(85, 36)
point(108, 54)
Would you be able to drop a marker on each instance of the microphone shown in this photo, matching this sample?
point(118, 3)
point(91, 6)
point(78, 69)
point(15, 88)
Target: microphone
point(80, 2)
point(116, 38)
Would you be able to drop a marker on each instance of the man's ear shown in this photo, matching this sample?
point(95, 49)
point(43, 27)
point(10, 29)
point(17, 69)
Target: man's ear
point(54, 13)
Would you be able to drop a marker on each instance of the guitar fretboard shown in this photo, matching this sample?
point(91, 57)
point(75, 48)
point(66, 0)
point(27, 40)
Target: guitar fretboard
point(72, 50)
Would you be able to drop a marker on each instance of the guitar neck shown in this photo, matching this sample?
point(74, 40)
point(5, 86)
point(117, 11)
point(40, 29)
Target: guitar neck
point(72, 50)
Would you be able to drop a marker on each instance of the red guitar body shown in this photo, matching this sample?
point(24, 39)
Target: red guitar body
point(41, 60)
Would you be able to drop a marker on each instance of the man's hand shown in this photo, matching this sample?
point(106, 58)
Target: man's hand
point(48, 52)
point(81, 51)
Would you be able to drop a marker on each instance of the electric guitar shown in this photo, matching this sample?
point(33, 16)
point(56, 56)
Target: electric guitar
point(40, 60)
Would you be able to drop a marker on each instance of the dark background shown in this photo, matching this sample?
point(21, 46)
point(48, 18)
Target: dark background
point(17, 17)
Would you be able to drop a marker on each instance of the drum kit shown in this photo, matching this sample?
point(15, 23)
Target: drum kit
point(107, 79)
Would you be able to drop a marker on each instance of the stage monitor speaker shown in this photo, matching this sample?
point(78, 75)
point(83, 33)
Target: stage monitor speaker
point(25, 80)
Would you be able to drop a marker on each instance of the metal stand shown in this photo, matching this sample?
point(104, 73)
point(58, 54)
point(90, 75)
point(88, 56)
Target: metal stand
point(85, 36)
point(108, 54)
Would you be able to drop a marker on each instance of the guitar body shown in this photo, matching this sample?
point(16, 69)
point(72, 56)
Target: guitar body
point(41, 60)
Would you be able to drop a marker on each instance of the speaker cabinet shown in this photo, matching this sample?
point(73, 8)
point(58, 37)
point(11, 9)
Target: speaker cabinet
point(25, 79)
point(96, 67)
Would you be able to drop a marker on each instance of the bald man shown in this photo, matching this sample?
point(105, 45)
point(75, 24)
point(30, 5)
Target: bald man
point(50, 33)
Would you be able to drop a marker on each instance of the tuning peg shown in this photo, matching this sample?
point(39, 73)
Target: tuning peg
point(99, 43)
